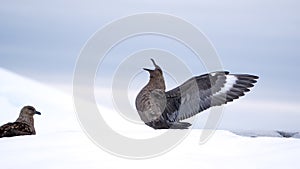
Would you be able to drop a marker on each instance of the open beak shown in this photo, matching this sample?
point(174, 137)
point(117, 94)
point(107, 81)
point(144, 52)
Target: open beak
point(37, 112)
point(155, 65)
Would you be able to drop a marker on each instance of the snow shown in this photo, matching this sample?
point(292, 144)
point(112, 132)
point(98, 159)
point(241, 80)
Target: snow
point(60, 143)
point(71, 149)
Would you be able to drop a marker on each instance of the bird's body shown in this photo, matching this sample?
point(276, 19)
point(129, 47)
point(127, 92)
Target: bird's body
point(24, 125)
point(162, 109)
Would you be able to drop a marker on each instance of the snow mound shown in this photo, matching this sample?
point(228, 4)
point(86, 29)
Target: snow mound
point(56, 107)
point(61, 144)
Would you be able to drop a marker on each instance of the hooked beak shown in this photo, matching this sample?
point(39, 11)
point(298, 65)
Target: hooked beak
point(149, 70)
point(37, 112)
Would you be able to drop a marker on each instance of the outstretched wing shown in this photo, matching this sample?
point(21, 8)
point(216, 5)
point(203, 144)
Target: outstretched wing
point(201, 92)
point(15, 129)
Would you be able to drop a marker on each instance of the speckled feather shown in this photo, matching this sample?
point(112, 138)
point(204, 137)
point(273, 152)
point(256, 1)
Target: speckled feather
point(14, 129)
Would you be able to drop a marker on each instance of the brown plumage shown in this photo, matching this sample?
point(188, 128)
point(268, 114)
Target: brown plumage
point(162, 109)
point(24, 125)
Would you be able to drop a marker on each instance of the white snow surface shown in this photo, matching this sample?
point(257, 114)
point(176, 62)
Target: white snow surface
point(61, 144)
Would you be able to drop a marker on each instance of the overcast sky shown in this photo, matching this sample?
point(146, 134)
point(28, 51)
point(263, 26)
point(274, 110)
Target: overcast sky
point(42, 39)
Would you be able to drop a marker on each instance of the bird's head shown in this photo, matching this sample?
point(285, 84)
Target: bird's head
point(29, 111)
point(157, 72)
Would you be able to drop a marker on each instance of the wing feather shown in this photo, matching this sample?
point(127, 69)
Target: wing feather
point(202, 92)
point(15, 129)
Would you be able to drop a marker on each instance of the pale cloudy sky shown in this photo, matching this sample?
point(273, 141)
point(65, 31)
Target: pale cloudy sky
point(42, 39)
